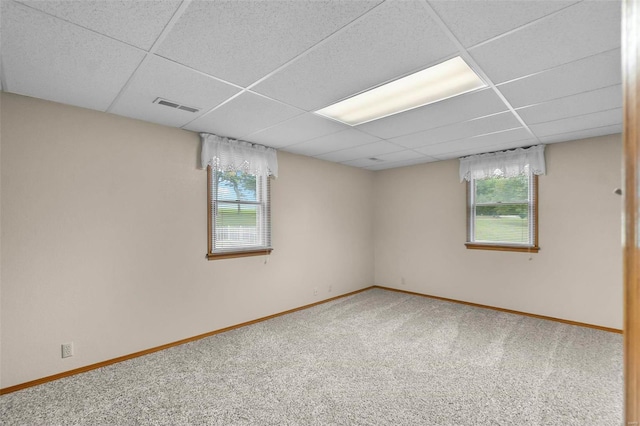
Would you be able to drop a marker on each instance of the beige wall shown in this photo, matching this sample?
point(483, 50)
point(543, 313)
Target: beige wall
point(420, 223)
point(103, 235)
point(104, 239)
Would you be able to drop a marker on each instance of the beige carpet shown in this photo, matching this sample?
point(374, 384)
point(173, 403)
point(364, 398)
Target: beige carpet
point(374, 358)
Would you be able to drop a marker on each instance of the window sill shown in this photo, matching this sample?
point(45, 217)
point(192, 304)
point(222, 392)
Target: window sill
point(233, 254)
point(502, 247)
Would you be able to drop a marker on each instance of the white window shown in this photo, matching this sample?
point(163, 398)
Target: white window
point(502, 212)
point(239, 204)
point(240, 212)
point(502, 199)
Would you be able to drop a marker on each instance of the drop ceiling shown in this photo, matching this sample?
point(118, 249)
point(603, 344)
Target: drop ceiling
point(256, 70)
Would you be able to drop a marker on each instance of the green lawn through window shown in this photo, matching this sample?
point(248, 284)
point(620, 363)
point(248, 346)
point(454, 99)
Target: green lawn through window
point(229, 216)
point(505, 229)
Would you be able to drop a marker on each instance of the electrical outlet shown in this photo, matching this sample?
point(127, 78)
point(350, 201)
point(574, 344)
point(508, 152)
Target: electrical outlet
point(67, 350)
point(402, 281)
point(315, 291)
point(330, 288)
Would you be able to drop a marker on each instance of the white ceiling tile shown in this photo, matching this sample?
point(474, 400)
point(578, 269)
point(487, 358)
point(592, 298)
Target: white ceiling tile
point(449, 156)
point(47, 58)
point(475, 21)
point(333, 142)
point(386, 158)
point(245, 40)
point(453, 110)
point(242, 116)
point(400, 155)
point(466, 129)
point(583, 134)
point(362, 162)
point(158, 77)
point(403, 163)
point(571, 106)
point(298, 129)
point(480, 142)
point(587, 74)
point(404, 157)
point(136, 22)
point(370, 150)
point(82, 53)
point(597, 119)
point(394, 39)
point(581, 30)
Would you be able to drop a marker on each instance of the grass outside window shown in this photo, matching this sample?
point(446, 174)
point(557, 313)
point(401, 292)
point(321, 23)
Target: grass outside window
point(502, 213)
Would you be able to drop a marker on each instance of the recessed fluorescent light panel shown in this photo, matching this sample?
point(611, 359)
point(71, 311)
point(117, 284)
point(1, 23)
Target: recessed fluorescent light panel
point(445, 80)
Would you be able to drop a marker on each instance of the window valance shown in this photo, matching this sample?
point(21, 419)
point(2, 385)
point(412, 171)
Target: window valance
point(504, 163)
point(226, 154)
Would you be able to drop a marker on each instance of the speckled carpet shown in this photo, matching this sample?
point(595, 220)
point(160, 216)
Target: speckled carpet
point(374, 358)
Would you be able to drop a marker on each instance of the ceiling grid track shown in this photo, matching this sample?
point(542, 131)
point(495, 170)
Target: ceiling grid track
point(521, 27)
point(579, 115)
point(315, 46)
point(535, 104)
point(163, 34)
point(58, 18)
point(464, 53)
point(533, 74)
point(580, 130)
point(286, 64)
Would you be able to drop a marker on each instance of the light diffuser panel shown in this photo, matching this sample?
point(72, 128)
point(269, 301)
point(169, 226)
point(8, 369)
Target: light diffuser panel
point(445, 80)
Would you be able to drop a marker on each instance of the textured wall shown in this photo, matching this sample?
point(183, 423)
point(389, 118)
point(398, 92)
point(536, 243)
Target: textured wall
point(104, 239)
point(420, 223)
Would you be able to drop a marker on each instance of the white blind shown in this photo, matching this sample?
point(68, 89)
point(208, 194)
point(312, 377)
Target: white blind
point(226, 154)
point(503, 210)
point(241, 212)
point(509, 163)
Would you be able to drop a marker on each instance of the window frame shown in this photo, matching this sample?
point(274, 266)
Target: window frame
point(229, 254)
point(533, 209)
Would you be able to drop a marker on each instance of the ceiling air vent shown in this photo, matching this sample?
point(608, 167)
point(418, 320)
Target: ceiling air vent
point(377, 160)
point(186, 108)
point(175, 105)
